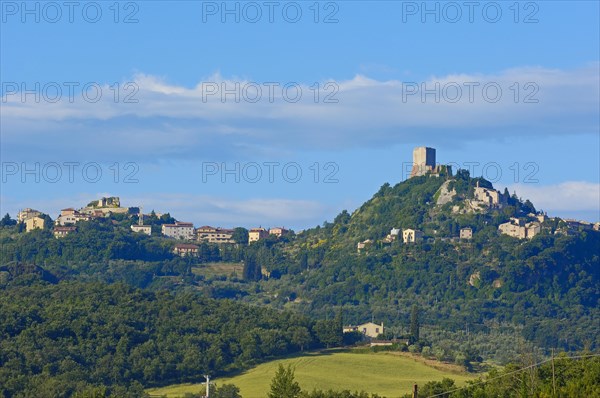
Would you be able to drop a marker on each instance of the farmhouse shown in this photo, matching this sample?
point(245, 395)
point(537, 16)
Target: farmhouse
point(369, 329)
point(60, 232)
point(145, 229)
point(185, 250)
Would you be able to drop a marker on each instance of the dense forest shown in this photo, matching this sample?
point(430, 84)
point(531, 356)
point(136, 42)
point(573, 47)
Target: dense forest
point(74, 337)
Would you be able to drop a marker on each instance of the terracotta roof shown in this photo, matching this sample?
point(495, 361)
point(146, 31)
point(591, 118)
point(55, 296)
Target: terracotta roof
point(67, 228)
point(178, 225)
point(185, 246)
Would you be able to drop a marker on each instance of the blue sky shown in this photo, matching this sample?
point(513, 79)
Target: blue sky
point(347, 89)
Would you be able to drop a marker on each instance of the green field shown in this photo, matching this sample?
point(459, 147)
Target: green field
point(218, 269)
point(387, 374)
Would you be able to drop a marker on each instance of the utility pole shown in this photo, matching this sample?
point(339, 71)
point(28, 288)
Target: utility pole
point(553, 377)
point(207, 377)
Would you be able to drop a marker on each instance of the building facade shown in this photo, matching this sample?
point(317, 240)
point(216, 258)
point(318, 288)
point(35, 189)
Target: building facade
point(214, 235)
point(369, 329)
point(256, 234)
point(392, 236)
point(278, 231)
point(486, 197)
point(423, 161)
point(184, 250)
point(70, 216)
point(34, 223)
point(412, 235)
point(145, 229)
point(60, 232)
point(27, 213)
point(179, 230)
point(517, 229)
point(466, 233)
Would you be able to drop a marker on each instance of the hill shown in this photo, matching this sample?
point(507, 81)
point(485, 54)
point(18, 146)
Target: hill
point(485, 297)
point(383, 373)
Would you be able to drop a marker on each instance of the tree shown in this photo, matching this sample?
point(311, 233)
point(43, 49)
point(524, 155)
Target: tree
point(7, 221)
point(240, 235)
point(342, 218)
point(283, 384)
point(438, 388)
point(48, 223)
point(328, 332)
point(225, 391)
point(301, 337)
point(303, 260)
point(252, 270)
point(414, 324)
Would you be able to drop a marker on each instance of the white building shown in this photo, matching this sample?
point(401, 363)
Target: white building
point(145, 229)
point(179, 230)
point(70, 216)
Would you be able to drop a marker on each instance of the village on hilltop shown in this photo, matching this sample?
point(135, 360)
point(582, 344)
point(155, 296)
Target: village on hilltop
point(484, 199)
point(66, 223)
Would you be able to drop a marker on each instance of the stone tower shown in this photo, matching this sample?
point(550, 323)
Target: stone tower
point(423, 161)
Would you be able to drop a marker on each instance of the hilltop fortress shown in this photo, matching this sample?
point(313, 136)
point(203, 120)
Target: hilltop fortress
point(424, 163)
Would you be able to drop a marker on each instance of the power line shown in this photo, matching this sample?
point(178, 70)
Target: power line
point(513, 372)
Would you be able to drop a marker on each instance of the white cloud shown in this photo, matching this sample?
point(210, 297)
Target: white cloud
point(170, 120)
point(572, 196)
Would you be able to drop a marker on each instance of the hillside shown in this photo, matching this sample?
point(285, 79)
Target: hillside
point(544, 289)
point(385, 374)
